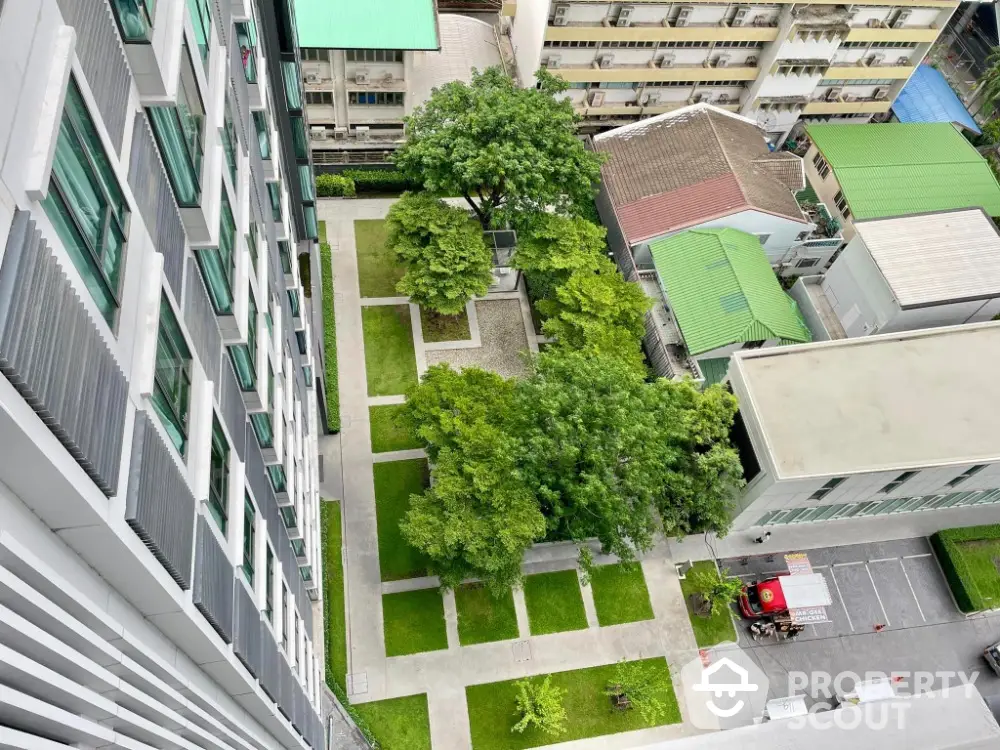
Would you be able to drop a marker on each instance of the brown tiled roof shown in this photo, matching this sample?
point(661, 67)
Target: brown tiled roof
point(679, 169)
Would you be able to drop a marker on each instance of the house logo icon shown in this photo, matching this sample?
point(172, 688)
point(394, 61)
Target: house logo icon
point(723, 688)
point(712, 682)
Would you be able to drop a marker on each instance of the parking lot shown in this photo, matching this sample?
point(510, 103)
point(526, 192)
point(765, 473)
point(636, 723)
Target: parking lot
point(897, 585)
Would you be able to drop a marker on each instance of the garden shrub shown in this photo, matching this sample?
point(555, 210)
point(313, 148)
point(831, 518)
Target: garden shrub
point(329, 340)
point(334, 186)
point(379, 180)
point(965, 583)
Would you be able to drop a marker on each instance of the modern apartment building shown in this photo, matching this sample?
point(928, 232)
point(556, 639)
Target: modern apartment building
point(362, 78)
point(893, 423)
point(159, 539)
point(773, 62)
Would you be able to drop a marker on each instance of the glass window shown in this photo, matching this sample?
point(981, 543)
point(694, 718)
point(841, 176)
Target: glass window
point(312, 227)
point(308, 374)
point(299, 142)
point(827, 488)
point(247, 37)
point(288, 516)
point(178, 132)
point(901, 479)
point(269, 585)
point(384, 98)
point(218, 478)
point(274, 191)
point(822, 168)
point(306, 182)
point(806, 262)
point(285, 254)
point(841, 203)
point(218, 264)
point(229, 143)
point(284, 617)
point(319, 97)
point(292, 80)
point(244, 356)
point(970, 472)
point(298, 547)
point(263, 429)
point(300, 338)
point(253, 243)
point(201, 19)
point(277, 475)
point(307, 574)
point(86, 205)
point(249, 536)
point(293, 301)
point(263, 134)
point(135, 18)
point(172, 378)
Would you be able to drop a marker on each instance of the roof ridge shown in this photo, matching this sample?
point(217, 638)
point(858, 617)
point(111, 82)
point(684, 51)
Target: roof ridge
point(725, 154)
point(728, 250)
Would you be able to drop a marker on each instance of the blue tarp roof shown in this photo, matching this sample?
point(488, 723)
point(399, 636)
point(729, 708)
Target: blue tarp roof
point(927, 97)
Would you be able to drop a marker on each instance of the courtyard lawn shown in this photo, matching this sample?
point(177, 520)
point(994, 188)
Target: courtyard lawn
point(444, 327)
point(395, 481)
point(387, 432)
point(389, 357)
point(333, 594)
point(482, 618)
point(620, 594)
point(414, 622)
point(492, 710)
point(554, 602)
point(708, 631)
point(398, 723)
point(378, 271)
point(968, 557)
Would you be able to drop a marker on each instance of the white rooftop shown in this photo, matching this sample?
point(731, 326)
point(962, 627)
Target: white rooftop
point(893, 401)
point(933, 258)
point(466, 43)
point(805, 590)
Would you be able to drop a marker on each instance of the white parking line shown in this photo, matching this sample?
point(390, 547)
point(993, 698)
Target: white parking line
point(884, 559)
point(844, 565)
point(870, 578)
point(917, 557)
point(841, 597)
point(914, 593)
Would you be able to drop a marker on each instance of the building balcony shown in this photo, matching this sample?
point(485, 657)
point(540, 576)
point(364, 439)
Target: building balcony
point(827, 232)
point(626, 73)
point(853, 70)
point(882, 33)
point(636, 110)
point(589, 33)
point(781, 103)
point(846, 105)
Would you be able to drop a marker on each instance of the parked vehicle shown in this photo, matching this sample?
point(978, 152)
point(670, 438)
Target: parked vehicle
point(787, 594)
point(992, 654)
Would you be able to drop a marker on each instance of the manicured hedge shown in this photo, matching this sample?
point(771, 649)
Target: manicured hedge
point(334, 186)
point(329, 340)
point(379, 180)
point(970, 586)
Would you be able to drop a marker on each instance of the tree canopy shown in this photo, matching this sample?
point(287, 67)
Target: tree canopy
point(511, 152)
point(447, 262)
point(555, 246)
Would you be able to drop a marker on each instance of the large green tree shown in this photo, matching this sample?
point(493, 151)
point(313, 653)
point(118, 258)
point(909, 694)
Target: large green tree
point(511, 152)
point(447, 262)
point(554, 247)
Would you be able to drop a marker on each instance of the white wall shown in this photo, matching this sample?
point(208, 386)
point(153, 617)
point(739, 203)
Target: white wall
point(526, 34)
point(858, 293)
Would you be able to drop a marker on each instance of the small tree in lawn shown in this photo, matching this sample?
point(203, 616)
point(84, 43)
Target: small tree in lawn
point(447, 262)
point(714, 591)
point(554, 247)
point(641, 687)
point(511, 152)
point(540, 705)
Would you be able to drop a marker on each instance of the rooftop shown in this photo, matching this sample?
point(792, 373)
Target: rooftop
point(466, 43)
point(722, 290)
point(367, 24)
point(885, 402)
point(935, 258)
point(894, 169)
point(928, 97)
point(692, 165)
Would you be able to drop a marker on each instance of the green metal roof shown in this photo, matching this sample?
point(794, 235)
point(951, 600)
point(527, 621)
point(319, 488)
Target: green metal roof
point(714, 369)
point(367, 24)
point(895, 169)
point(722, 290)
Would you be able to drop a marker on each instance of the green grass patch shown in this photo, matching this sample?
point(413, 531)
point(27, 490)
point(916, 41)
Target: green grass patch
point(444, 327)
point(620, 594)
point(378, 271)
point(388, 433)
point(399, 723)
point(333, 589)
point(395, 481)
point(969, 557)
point(492, 710)
point(329, 335)
point(708, 630)
point(554, 602)
point(414, 622)
point(389, 357)
point(482, 618)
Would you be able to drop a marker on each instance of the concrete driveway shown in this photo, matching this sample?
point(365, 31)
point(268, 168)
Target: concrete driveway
point(897, 584)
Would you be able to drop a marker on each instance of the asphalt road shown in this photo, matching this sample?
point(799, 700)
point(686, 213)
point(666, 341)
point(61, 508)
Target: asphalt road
point(898, 584)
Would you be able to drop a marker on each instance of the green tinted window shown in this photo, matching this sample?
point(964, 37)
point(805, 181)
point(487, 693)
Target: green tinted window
point(263, 428)
point(288, 515)
point(293, 301)
point(249, 537)
point(269, 585)
point(274, 192)
point(201, 19)
point(135, 18)
point(277, 475)
point(293, 84)
point(218, 265)
point(172, 381)
point(244, 356)
point(263, 134)
point(247, 38)
point(229, 143)
point(286, 256)
point(179, 134)
point(299, 547)
point(218, 479)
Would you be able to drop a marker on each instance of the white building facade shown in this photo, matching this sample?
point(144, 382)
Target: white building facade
point(774, 62)
point(159, 529)
point(885, 424)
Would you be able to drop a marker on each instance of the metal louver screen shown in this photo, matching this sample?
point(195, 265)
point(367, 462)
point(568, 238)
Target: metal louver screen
point(241, 114)
point(159, 506)
point(246, 644)
point(52, 352)
point(270, 673)
point(213, 582)
point(152, 192)
point(287, 702)
point(234, 410)
point(202, 325)
point(102, 58)
point(255, 471)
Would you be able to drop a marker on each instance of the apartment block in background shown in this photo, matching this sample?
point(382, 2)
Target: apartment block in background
point(159, 537)
point(363, 77)
point(856, 428)
point(773, 62)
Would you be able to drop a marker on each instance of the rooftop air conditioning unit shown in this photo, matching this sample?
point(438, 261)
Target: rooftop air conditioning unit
point(833, 94)
point(361, 132)
point(697, 98)
point(312, 78)
point(876, 59)
point(723, 99)
point(903, 60)
point(667, 61)
point(900, 20)
point(319, 133)
point(684, 16)
point(874, 23)
point(339, 134)
point(596, 98)
point(644, 100)
point(740, 18)
point(881, 93)
point(624, 16)
point(605, 60)
point(722, 61)
point(751, 61)
point(848, 97)
point(552, 61)
point(559, 16)
point(361, 78)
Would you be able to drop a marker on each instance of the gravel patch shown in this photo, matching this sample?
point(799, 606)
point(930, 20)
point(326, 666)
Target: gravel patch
point(505, 346)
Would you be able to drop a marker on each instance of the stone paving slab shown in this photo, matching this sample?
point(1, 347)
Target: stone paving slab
point(389, 456)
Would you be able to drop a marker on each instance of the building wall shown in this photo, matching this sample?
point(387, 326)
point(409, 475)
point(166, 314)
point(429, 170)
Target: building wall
point(112, 525)
point(826, 189)
point(527, 31)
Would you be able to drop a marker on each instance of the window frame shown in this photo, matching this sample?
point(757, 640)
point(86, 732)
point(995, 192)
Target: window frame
point(967, 474)
point(249, 540)
point(840, 201)
point(201, 21)
point(898, 482)
point(181, 353)
point(269, 583)
point(144, 10)
point(827, 488)
point(218, 477)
